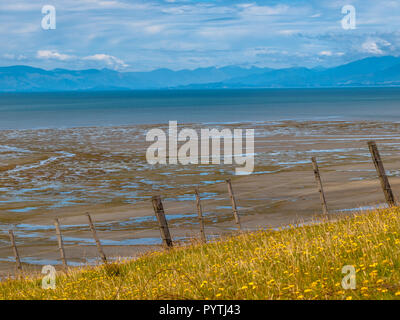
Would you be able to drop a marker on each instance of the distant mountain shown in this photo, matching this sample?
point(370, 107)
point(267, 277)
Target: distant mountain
point(374, 71)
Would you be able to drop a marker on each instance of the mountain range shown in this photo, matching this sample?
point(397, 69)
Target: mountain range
point(373, 71)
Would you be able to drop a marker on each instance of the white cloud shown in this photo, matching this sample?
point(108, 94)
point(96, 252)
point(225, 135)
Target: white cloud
point(110, 61)
point(260, 51)
point(11, 56)
point(255, 10)
point(153, 29)
point(100, 59)
point(371, 47)
point(288, 32)
point(326, 53)
point(21, 6)
point(51, 54)
point(375, 46)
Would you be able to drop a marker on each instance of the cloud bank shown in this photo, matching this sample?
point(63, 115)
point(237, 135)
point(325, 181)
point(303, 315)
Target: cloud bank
point(140, 35)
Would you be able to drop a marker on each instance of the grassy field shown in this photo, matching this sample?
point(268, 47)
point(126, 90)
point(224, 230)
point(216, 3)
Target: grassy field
point(296, 263)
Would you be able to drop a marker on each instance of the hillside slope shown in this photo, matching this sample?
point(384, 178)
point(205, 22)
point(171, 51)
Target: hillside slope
point(295, 263)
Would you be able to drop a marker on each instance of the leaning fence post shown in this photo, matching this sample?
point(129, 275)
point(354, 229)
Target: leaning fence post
point(200, 215)
point(376, 158)
point(162, 221)
point(234, 207)
point(16, 254)
point(319, 185)
point(60, 243)
point(98, 244)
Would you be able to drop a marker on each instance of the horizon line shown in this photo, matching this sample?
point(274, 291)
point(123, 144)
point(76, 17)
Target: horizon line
point(199, 68)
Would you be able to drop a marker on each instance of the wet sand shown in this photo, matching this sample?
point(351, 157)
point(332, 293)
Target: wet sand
point(65, 173)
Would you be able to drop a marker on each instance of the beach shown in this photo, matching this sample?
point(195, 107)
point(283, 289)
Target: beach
point(67, 172)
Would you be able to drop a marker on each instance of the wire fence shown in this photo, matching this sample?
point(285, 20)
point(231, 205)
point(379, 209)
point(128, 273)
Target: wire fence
point(161, 222)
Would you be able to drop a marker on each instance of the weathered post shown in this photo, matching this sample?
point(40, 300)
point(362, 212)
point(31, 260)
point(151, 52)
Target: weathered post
point(234, 206)
point(16, 254)
point(60, 244)
point(98, 244)
point(200, 215)
point(162, 221)
point(319, 185)
point(376, 158)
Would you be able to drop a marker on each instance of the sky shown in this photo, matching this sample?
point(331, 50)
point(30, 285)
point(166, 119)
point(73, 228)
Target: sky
point(142, 35)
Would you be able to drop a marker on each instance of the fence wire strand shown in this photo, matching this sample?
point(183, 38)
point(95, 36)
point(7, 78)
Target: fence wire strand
point(108, 235)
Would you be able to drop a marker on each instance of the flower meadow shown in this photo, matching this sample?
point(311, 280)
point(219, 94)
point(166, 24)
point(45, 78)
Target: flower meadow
point(298, 262)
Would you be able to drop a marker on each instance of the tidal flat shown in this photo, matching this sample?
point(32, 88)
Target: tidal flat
point(65, 173)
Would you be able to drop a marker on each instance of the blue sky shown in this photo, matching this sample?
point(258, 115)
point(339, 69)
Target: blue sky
point(141, 35)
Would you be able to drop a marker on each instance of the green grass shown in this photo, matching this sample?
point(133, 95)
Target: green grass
point(295, 263)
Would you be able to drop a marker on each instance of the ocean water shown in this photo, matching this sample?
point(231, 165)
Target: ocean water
point(65, 110)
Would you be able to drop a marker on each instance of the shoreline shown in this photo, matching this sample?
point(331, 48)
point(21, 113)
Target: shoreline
point(283, 195)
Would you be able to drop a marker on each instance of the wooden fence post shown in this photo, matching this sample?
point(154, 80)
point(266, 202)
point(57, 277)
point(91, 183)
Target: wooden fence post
point(376, 158)
point(234, 207)
point(319, 185)
point(98, 244)
point(16, 254)
point(162, 221)
point(60, 244)
point(200, 215)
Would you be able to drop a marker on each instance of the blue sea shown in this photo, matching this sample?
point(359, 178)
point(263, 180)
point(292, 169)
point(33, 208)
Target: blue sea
point(77, 109)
